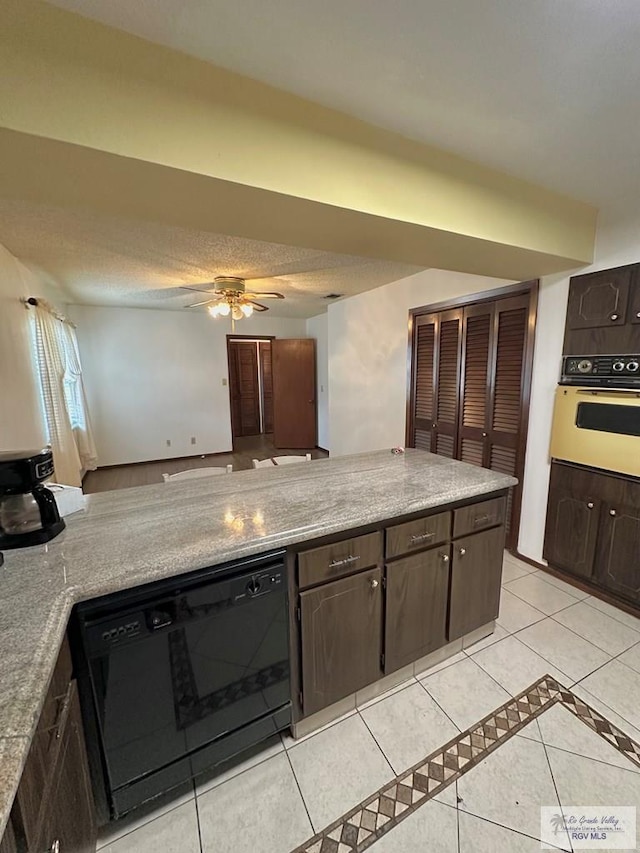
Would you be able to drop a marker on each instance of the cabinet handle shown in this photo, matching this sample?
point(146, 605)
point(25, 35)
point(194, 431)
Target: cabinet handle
point(590, 505)
point(638, 315)
point(485, 434)
point(375, 583)
point(612, 512)
point(445, 558)
point(55, 847)
point(337, 564)
point(61, 715)
point(462, 551)
point(481, 519)
point(420, 537)
point(614, 317)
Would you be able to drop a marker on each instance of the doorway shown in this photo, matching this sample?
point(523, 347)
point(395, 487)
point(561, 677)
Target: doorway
point(250, 385)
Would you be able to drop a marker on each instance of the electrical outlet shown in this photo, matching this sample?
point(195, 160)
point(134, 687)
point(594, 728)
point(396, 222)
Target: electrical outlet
point(224, 380)
point(168, 442)
point(193, 439)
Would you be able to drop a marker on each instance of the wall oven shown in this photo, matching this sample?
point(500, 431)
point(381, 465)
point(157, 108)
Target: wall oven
point(596, 420)
point(180, 675)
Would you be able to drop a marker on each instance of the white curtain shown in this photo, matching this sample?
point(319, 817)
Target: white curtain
point(63, 396)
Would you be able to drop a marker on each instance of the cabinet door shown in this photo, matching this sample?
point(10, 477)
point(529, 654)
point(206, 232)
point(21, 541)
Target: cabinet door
point(8, 843)
point(618, 560)
point(572, 530)
point(447, 390)
point(477, 336)
point(69, 817)
point(416, 615)
point(635, 299)
point(424, 383)
point(476, 572)
point(599, 299)
point(341, 637)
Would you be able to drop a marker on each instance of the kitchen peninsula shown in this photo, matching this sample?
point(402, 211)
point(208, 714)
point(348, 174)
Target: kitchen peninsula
point(388, 559)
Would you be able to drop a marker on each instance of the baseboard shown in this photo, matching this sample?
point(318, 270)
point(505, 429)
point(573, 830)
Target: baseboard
point(323, 449)
point(165, 459)
point(583, 586)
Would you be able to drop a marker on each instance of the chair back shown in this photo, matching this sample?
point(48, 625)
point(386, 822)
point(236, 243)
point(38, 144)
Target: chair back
point(263, 463)
point(196, 473)
point(288, 460)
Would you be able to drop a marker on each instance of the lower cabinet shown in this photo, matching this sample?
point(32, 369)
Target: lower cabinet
point(54, 809)
point(341, 638)
point(476, 572)
point(618, 552)
point(593, 528)
point(417, 590)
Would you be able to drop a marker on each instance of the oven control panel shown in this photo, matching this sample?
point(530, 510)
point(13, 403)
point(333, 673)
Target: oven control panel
point(603, 371)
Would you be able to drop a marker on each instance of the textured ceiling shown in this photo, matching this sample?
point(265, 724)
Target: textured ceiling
point(99, 260)
point(545, 90)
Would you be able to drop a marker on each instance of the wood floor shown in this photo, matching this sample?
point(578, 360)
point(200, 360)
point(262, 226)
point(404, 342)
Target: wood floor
point(146, 473)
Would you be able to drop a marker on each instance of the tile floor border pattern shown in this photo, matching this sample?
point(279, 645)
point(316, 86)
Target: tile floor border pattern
point(374, 817)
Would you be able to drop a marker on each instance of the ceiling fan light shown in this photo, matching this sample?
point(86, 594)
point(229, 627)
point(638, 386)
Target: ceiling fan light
point(247, 309)
point(236, 312)
point(224, 309)
point(214, 310)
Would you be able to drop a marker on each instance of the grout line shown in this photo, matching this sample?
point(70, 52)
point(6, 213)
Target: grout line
point(392, 691)
point(615, 619)
point(393, 770)
point(457, 817)
point(341, 719)
point(608, 707)
point(195, 798)
point(546, 615)
point(304, 802)
point(636, 769)
point(153, 819)
point(433, 699)
point(572, 680)
point(511, 829)
point(235, 775)
point(553, 779)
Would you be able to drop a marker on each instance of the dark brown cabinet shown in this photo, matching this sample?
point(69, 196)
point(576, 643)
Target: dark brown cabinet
point(599, 299)
point(417, 590)
point(634, 313)
point(470, 378)
point(593, 528)
point(54, 808)
point(340, 637)
point(476, 571)
point(618, 556)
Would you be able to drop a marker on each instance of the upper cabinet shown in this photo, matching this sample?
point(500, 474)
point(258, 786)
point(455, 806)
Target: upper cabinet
point(603, 313)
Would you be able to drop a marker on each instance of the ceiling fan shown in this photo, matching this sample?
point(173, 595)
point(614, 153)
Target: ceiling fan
point(228, 296)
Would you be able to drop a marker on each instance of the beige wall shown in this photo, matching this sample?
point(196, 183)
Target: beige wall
point(153, 376)
point(21, 425)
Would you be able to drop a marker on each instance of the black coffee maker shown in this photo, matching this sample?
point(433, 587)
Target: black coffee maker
point(28, 511)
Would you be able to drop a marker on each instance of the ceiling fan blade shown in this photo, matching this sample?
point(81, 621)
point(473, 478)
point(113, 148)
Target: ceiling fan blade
point(204, 302)
point(268, 294)
point(205, 287)
point(257, 305)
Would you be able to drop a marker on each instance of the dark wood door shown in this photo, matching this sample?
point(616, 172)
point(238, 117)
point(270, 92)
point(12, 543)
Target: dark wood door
point(69, 816)
point(341, 637)
point(9, 843)
point(294, 392)
point(476, 573)
point(571, 531)
point(476, 364)
point(599, 299)
point(266, 382)
point(416, 610)
point(618, 553)
point(447, 387)
point(243, 388)
point(635, 300)
point(423, 383)
point(506, 424)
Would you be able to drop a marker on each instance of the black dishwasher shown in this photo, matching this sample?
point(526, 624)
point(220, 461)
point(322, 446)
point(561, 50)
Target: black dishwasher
point(183, 674)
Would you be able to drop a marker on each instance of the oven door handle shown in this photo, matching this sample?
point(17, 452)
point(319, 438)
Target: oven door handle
point(609, 392)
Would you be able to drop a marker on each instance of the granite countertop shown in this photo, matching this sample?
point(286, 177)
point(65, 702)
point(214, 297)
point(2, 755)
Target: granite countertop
point(135, 536)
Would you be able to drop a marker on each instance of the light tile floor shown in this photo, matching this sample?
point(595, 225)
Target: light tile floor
point(279, 797)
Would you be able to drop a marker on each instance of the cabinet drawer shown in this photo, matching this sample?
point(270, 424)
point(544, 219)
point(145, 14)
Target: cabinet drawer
point(470, 519)
point(43, 754)
point(338, 559)
point(414, 535)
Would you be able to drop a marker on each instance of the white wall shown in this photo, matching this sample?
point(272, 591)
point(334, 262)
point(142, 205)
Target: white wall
point(155, 375)
point(617, 243)
point(318, 328)
point(21, 424)
point(368, 337)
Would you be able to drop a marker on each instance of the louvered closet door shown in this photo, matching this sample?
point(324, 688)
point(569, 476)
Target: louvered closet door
point(506, 407)
point(447, 390)
point(423, 382)
point(477, 333)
